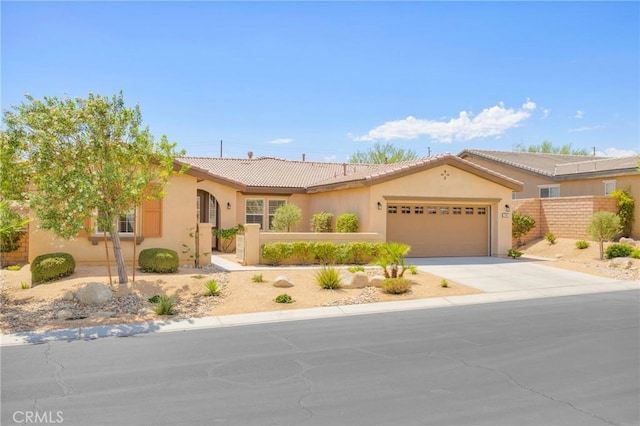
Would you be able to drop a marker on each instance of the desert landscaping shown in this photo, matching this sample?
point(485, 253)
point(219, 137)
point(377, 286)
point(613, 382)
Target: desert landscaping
point(53, 306)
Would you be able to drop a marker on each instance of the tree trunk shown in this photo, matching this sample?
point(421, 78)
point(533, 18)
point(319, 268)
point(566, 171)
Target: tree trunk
point(117, 253)
point(601, 249)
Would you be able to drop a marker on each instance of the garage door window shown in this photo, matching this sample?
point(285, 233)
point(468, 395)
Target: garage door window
point(468, 210)
point(405, 210)
point(392, 209)
point(431, 210)
point(457, 210)
point(418, 210)
point(482, 210)
point(444, 210)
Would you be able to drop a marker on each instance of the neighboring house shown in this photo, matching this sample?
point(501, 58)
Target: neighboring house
point(441, 206)
point(564, 185)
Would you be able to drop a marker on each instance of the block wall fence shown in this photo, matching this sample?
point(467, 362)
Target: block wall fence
point(566, 217)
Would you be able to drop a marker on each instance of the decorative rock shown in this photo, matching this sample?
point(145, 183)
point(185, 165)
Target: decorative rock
point(620, 262)
point(376, 280)
point(628, 241)
point(68, 296)
point(282, 281)
point(355, 280)
point(94, 294)
point(105, 314)
point(64, 314)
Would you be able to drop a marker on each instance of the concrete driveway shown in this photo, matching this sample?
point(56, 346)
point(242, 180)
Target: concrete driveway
point(493, 274)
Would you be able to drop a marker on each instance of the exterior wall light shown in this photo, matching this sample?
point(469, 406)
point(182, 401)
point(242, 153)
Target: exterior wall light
point(379, 205)
point(507, 208)
point(228, 205)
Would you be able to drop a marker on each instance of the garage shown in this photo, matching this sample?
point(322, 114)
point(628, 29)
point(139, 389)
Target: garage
point(440, 229)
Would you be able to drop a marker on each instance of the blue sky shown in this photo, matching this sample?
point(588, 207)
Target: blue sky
point(330, 78)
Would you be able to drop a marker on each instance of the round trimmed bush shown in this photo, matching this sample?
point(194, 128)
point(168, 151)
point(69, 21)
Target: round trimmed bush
point(396, 285)
point(347, 222)
point(158, 260)
point(51, 266)
point(618, 250)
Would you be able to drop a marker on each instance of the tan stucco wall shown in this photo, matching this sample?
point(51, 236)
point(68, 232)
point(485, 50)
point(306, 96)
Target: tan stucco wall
point(355, 201)
point(178, 220)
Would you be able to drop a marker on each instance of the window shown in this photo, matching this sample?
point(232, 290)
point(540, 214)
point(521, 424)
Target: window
point(125, 224)
point(609, 186)
point(254, 211)
point(431, 210)
point(418, 210)
point(482, 210)
point(468, 210)
point(457, 210)
point(212, 209)
point(392, 209)
point(273, 206)
point(405, 210)
point(549, 191)
point(444, 210)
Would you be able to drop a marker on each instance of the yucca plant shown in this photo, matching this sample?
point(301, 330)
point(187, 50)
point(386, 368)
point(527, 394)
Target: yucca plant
point(165, 305)
point(257, 278)
point(328, 278)
point(213, 288)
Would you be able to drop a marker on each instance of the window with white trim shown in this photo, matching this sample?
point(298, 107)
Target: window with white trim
point(125, 225)
point(549, 191)
point(273, 206)
point(609, 186)
point(254, 211)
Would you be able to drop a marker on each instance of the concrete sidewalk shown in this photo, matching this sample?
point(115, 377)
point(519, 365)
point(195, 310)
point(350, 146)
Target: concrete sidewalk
point(502, 280)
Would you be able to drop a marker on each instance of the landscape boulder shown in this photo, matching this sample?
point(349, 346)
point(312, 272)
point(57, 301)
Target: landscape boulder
point(94, 294)
point(376, 280)
point(282, 281)
point(620, 262)
point(64, 314)
point(355, 280)
point(628, 241)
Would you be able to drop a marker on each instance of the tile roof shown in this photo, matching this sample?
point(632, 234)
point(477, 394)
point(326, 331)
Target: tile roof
point(556, 165)
point(269, 172)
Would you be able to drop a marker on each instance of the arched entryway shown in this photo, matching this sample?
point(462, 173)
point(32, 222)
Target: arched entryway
point(208, 211)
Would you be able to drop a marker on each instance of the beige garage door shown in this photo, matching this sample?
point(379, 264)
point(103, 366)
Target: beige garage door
point(440, 229)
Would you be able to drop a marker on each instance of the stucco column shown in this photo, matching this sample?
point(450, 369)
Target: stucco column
point(251, 244)
point(205, 244)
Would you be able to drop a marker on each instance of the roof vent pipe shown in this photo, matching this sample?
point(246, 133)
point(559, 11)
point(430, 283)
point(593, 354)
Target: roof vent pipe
point(304, 157)
point(344, 168)
point(250, 154)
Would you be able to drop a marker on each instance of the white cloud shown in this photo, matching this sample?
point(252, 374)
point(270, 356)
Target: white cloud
point(493, 121)
point(614, 152)
point(545, 112)
point(586, 128)
point(281, 141)
point(579, 115)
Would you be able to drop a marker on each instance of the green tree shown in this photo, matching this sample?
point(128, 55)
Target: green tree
point(603, 227)
point(382, 154)
point(548, 148)
point(286, 216)
point(521, 224)
point(626, 208)
point(14, 169)
point(88, 158)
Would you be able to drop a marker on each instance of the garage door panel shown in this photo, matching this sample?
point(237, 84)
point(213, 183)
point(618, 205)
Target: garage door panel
point(440, 230)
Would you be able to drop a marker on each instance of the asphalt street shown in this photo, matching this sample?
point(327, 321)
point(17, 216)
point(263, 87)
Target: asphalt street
point(571, 360)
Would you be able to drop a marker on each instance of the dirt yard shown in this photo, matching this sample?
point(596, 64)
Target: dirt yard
point(39, 307)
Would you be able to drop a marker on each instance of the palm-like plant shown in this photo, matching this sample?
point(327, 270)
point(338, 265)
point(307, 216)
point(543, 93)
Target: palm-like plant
point(12, 228)
point(391, 259)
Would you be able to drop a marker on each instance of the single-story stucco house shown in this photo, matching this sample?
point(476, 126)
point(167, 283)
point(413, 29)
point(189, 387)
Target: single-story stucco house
point(441, 206)
point(560, 191)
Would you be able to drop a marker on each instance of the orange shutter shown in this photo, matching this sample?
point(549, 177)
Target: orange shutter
point(86, 227)
point(152, 218)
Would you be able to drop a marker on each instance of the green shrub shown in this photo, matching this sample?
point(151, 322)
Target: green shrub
point(12, 228)
point(635, 254)
point(550, 238)
point(257, 278)
point(326, 252)
point(359, 252)
point(14, 267)
point(164, 305)
point(227, 236)
point(154, 299)
point(283, 298)
point(444, 283)
point(303, 251)
point(514, 253)
point(618, 250)
point(354, 269)
point(158, 260)
point(328, 278)
point(412, 269)
point(49, 267)
point(322, 222)
point(626, 207)
point(213, 288)
point(347, 222)
point(276, 253)
point(582, 244)
point(25, 285)
point(521, 224)
point(396, 285)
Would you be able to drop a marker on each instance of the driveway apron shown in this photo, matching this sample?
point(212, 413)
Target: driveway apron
point(491, 274)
